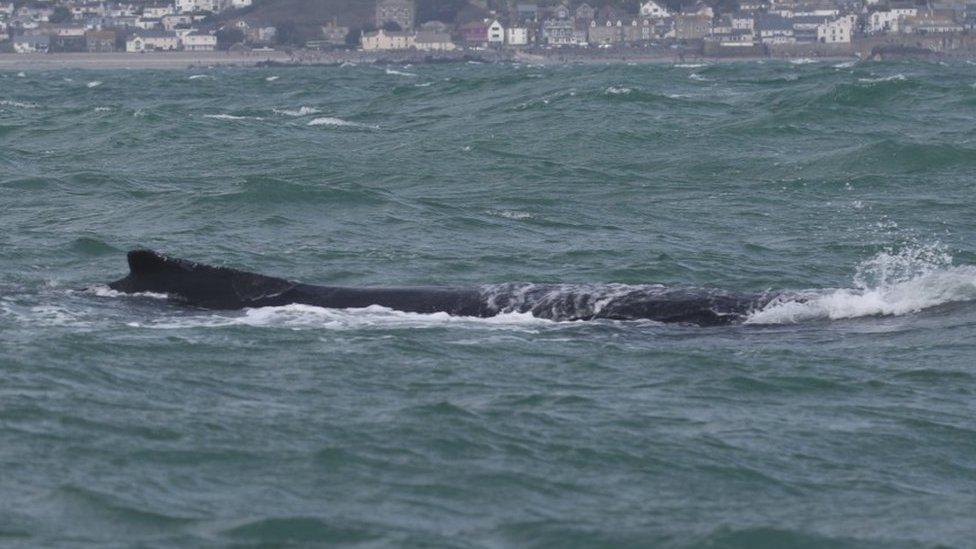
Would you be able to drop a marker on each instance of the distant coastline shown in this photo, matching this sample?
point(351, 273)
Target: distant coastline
point(188, 60)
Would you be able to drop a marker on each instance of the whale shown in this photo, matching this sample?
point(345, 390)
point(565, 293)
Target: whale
point(199, 285)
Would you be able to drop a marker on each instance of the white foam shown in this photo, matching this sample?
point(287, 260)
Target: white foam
point(17, 104)
point(198, 76)
point(690, 65)
point(802, 61)
point(21, 75)
point(102, 109)
point(339, 123)
point(845, 65)
point(347, 64)
point(698, 77)
point(307, 317)
point(231, 117)
point(271, 78)
point(105, 291)
point(889, 284)
point(303, 111)
point(392, 72)
point(94, 84)
point(893, 78)
point(614, 90)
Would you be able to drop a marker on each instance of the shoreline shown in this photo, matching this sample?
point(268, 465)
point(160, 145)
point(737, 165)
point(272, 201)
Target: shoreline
point(299, 58)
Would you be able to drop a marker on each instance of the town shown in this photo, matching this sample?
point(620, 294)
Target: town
point(745, 28)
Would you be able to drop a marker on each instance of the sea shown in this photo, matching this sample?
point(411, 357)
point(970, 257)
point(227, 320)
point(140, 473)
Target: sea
point(844, 418)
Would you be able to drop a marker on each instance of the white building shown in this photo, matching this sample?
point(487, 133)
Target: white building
point(32, 44)
point(888, 20)
point(199, 42)
point(433, 41)
point(496, 33)
point(517, 36)
point(158, 11)
point(653, 10)
point(191, 6)
point(838, 31)
point(387, 40)
point(152, 41)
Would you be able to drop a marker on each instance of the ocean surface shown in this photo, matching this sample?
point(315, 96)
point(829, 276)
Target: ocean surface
point(843, 419)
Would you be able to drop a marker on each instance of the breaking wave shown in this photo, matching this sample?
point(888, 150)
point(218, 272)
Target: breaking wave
point(340, 123)
point(17, 104)
point(231, 117)
point(308, 317)
point(889, 284)
point(303, 111)
point(393, 72)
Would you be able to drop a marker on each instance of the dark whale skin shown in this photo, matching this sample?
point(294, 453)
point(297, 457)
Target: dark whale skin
point(210, 287)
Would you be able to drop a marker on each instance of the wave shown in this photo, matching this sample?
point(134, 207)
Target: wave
point(893, 78)
point(614, 90)
point(231, 117)
point(271, 78)
point(392, 72)
point(94, 84)
point(845, 65)
point(802, 61)
point(303, 111)
point(17, 104)
point(298, 317)
point(340, 123)
point(889, 284)
point(690, 65)
point(198, 76)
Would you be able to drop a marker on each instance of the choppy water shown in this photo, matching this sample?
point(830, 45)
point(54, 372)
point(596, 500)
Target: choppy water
point(842, 420)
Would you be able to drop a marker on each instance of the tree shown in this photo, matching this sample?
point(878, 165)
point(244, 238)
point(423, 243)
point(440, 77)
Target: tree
point(60, 15)
point(228, 36)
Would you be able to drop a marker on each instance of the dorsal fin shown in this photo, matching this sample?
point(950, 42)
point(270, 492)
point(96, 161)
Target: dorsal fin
point(143, 262)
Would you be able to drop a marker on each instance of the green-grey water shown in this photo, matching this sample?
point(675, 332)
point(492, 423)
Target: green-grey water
point(842, 419)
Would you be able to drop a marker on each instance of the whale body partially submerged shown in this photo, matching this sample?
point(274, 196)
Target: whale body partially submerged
point(210, 287)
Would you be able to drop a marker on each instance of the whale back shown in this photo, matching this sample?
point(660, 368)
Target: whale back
point(199, 284)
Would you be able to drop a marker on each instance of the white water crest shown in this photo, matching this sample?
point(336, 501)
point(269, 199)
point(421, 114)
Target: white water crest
point(892, 283)
point(340, 123)
point(231, 117)
point(94, 84)
point(17, 104)
point(893, 78)
point(845, 65)
point(271, 78)
point(303, 111)
point(392, 72)
point(690, 65)
point(614, 90)
point(308, 317)
point(802, 61)
point(198, 76)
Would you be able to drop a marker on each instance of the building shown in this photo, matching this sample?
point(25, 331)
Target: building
point(774, 29)
point(517, 36)
point(559, 32)
point(496, 33)
point(334, 34)
point(654, 10)
point(102, 41)
point(199, 42)
point(152, 40)
point(401, 12)
point(691, 26)
point(383, 40)
point(196, 6)
point(838, 31)
point(433, 41)
point(474, 34)
point(527, 13)
point(888, 20)
point(32, 43)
